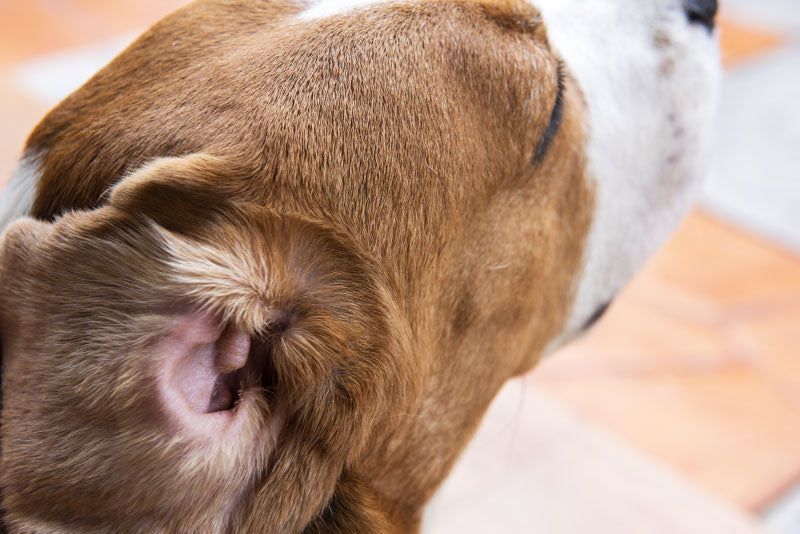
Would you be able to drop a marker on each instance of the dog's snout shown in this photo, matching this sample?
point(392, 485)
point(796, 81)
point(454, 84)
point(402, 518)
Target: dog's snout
point(701, 12)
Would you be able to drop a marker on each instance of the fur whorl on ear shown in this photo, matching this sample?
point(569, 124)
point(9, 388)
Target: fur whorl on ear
point(320, 306)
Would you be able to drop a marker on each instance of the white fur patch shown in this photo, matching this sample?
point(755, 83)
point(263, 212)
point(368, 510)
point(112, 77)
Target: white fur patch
point(327, 8)
point(17, 199)
point(650, 80)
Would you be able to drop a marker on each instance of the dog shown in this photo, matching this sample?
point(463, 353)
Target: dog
point(266, 270)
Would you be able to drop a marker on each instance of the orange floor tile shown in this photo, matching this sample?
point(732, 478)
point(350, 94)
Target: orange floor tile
point(29, 29)
point(740, 41)
point(38, 26)
point(698, 363)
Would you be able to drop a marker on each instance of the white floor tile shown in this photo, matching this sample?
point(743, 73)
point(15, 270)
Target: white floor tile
point(757, 179)
point(784, 518)
point(51, 77)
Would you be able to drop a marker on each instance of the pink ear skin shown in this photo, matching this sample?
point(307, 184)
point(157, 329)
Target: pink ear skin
point(202, 367)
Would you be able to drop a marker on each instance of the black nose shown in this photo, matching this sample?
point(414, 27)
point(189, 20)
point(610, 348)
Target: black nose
point(701, 12)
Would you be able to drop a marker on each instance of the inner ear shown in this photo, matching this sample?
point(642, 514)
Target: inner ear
point(201, 360)
point(203, 368)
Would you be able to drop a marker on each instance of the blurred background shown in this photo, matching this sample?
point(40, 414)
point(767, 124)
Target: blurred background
point(692, 380)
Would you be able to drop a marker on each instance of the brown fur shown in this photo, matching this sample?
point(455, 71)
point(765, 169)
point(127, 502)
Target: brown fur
point(342, 189)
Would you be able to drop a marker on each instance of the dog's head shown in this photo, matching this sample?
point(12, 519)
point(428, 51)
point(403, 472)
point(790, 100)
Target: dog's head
point(284, 256)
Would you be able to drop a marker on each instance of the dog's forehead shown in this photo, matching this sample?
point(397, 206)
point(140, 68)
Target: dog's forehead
point(373, 98)
point(411, 85)
point(405, 107)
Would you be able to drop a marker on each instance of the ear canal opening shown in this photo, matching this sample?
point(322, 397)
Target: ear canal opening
point(238, 373)
point(204, 370)
point(225, 393)
point(230, 357)
point(205, 367)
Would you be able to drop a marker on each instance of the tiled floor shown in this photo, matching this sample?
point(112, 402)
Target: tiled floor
point(31, 28)
point(755, 183)
point(534, 467)
point(698, 363)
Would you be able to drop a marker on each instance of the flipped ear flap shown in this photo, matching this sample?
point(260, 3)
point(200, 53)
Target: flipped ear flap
point(181, 193)
point(1, 382)
point(15, 245)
